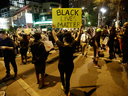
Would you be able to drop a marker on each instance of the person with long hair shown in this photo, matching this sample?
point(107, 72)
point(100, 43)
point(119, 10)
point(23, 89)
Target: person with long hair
point(66, 51)
point(24, 48)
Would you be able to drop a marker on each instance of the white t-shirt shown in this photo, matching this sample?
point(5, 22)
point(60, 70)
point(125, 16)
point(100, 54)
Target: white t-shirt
point(84, 37)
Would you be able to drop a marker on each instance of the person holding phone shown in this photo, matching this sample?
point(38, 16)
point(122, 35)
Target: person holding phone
point(8, 47)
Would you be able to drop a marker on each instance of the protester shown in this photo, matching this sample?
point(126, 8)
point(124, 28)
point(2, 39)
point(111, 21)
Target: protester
point(96, 46)
point(60, 35)
point(84, 42)
point(8, 47)
point(111, 42)
point(51, 37)
point(39, 57)
point(125, 44)
point(44, 36)
point(66, 50)
point(24, 48)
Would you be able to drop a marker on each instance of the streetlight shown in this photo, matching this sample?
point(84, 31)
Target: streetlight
point(82, 8)
point(103, 10)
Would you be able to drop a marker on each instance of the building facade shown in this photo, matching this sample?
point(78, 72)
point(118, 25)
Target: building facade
point(40, 14)
point(8, 11)
point(13, 7)
point(26, 16)
point(79, 3)
point(19, 3)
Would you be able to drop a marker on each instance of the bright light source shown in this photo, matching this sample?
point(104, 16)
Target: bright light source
point(28, 17)
point(43, 18)
point(3, 23)
point(44, 22)
point(103, 10)
point(82, 8)
point(89, 23)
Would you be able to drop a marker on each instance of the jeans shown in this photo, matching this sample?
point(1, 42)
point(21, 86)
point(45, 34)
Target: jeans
point(13, 62)
point(67, 70)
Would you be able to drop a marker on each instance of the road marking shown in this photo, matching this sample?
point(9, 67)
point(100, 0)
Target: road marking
point(27, 87)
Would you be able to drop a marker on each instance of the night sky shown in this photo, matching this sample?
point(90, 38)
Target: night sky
point(5, 3)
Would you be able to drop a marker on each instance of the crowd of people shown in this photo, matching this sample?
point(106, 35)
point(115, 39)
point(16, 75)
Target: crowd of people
point(68, 41)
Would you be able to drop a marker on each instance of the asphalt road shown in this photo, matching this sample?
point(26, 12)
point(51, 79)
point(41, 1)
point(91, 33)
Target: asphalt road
point(86, 80)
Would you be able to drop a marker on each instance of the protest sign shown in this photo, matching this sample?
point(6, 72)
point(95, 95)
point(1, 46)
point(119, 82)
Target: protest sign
point(48, 45)
point(27, 30)
point(67, 17)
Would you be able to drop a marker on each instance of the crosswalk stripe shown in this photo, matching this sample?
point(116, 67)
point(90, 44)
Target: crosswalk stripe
point(27, 87)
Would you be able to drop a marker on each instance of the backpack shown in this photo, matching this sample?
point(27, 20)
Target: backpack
point(38, 51)
point(91, 41)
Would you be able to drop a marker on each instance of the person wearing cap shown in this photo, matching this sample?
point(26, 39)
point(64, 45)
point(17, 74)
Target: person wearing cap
point(84, 42)
point(96, 46)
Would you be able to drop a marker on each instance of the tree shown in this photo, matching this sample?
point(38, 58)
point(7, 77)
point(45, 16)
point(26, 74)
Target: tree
point(91, 15)
point(116, 7)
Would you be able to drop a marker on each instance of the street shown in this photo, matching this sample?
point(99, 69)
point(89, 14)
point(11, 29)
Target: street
point(86, 80)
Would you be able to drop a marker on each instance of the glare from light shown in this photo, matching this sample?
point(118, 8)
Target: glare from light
point(82, 8)
point(89, 23)
point(103, 10)
point(44, 22)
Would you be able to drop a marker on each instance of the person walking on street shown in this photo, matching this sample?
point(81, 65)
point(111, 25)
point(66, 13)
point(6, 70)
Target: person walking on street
point(96, 47)
point(8, 47)
point(39, 57)
point(24, 48)
point(66, 51)
point(84, 42)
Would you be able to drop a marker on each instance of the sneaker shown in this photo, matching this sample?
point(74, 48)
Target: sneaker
point(62, 87)
point(97, 66)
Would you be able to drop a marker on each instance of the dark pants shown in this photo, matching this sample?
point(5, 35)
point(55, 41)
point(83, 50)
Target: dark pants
point(23, 52)
point(94, 48)
point(111, 48)
point(13, 62)
point(67, 70)
point(125, 53)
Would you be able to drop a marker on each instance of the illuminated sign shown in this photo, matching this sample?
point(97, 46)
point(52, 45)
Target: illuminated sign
point(28, 17)
point(67, 17)
point(3, 23)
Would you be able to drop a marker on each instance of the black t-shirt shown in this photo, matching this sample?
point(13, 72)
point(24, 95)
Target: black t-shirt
point(24, 44)
point(38, 51)
point(10, 54)
point(66, 52)
point(97, 38)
